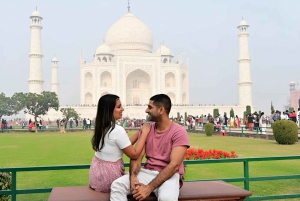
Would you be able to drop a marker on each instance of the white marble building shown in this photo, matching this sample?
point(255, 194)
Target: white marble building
point(125, 65)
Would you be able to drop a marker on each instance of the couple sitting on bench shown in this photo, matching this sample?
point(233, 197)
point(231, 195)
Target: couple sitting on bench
point(163, 142)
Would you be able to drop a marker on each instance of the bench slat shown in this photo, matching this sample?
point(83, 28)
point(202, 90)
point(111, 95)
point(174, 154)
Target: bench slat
point(204, 190)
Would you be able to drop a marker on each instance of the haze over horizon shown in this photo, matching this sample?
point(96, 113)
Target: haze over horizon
point(204, 31)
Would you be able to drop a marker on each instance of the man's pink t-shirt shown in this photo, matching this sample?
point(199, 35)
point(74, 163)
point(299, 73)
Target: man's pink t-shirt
point(159, 146)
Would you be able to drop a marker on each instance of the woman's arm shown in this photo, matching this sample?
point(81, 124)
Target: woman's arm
point(134, 138)
point(134, 152)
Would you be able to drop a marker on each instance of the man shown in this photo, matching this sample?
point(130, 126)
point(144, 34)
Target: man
point(165, 148)
point(250, 122)
point(256, 120)
point(298, 116)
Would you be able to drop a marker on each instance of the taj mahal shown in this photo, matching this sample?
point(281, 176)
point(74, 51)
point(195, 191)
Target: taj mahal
point(125, 64)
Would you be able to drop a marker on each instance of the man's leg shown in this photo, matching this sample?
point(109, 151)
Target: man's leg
point(120, 188)
point(169, 190)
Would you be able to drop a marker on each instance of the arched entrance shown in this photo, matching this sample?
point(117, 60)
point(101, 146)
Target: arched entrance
point(88, 98)
point(105, 79)
point(138, 87)
point(170, 80)
point(184, 81)
point(88, 80)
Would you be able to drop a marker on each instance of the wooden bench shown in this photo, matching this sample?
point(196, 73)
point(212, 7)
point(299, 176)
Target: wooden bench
point(193, 191)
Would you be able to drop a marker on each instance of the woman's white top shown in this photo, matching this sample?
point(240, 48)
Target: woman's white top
point(114, 142)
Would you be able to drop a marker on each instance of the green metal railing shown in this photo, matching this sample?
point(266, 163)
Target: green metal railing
point(246, 179)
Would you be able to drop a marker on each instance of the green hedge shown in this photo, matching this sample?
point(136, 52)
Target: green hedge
point(285, 132)
point(5, 184)
point(209, 129)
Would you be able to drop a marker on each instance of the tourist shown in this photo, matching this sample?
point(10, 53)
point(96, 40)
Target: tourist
point(225, 120)
point(276, 116)
point(237, 121)
point(204, 121)
point(232, 122)
point(262, 123)
point(293, 116)
point(76, 122)
point(298, 117)
point(165, 149)
point(272, 117)
point(250, 122)
point(110, 141)
point(256, 120)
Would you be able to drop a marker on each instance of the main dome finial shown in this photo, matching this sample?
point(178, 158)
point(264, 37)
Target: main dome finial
point(128, 6)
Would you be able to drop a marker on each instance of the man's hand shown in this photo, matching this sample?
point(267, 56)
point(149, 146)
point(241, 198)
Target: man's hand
point(134, 183)
point(141, 192)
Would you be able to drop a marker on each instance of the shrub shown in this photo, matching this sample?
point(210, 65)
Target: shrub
point(215, 112)
point(231, 113)
point(5, 184)
point(248, 109)
point(209, 129)
point(285, 132)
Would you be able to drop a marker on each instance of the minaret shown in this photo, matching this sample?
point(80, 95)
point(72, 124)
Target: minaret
point(245, 83)
point(35, 74)
point(54, 83)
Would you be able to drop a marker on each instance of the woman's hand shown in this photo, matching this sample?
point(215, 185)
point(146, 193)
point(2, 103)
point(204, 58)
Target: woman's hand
point(146, 127)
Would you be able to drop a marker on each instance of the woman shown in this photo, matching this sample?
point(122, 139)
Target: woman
point(237, 121)
point(232, 122)
point(110, 141)
point(263, 123)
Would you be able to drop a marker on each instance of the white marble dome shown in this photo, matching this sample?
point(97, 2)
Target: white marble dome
point(36, 14)
point(129, 34)
point(103, 49)
point(243, 23)
point(164, 50)
point(54, 59)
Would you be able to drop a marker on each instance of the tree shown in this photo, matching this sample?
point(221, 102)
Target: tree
point(215, 112)
point(272, 107)
point(298, 103)
point(248, 109)
point(259, 113)
point(39, 104)
point(5, 106)
point(178, 115)
point(291, 109)
point(231, 113)
point(68, 113)
point(185, 118)
point(10, 106)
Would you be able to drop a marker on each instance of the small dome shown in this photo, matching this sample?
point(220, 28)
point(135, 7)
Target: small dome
point(36, 14)
point(129, 33)
point(164, 50)
point(243, 23)
point(292, 83)
point(103, 49)
point(54, 59)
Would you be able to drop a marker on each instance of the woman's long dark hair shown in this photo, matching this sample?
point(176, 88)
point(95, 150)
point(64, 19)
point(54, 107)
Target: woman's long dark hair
point(105, 120)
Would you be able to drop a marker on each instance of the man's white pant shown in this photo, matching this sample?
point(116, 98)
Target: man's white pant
point(168, 191)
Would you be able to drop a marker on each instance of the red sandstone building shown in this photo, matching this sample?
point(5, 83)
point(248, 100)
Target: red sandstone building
point(294, 96)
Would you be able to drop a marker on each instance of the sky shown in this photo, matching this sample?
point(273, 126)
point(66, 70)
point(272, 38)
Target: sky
point(205, 31)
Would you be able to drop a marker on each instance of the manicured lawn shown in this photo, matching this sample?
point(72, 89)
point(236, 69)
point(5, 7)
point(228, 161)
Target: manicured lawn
point(49, 149)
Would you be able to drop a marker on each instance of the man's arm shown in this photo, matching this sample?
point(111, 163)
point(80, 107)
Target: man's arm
point(135, 166)
point(176, 158)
